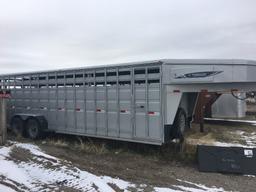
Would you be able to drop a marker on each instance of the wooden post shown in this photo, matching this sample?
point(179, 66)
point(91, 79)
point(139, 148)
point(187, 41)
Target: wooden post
point(4, 95)
point(3, 129)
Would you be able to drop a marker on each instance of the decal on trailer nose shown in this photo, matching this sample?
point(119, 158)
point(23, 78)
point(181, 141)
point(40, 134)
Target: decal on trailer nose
point(201, 74)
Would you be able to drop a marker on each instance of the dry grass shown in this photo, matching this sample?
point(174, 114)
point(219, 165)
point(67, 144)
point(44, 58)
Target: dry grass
point(57, 142)
point(212, 134)
point(90, 146)
point(218, 133)
point(78, 143)
point(170, 152)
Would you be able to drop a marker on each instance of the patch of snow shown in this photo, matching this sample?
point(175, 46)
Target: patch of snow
point(250, 176)
point(48, 173)
point(222, 144)
point(190, 189)
point(118, 182)
point(199, 187)
point(232, 120)
point(31, 173)
point(34, 150)
point(4, 152)
point(4, 188)
point(248, 138)
point(12, 171)
point(158, 189)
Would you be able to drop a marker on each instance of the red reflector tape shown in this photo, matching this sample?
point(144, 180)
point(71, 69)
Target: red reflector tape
point(153, 113)
point(3, 95)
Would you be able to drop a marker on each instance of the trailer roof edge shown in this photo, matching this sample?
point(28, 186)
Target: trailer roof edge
point(210, 61)
point(160, 61)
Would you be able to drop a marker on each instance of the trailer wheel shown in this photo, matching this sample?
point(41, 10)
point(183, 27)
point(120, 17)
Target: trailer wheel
point(33, 128)
point(17, 126)
point(180, 124)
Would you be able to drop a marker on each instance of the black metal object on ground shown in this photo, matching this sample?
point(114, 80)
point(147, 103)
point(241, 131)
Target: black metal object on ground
point(219, 121)
point(227, 159)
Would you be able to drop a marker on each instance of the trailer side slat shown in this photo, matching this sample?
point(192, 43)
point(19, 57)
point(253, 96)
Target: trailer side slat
point(57, 96)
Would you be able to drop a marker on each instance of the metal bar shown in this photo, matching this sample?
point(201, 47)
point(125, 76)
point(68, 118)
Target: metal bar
point(146, 94)
point(57, 101)
point(14, 92)
point(85, 111)
point(75, 99)
point(133, 111)
point(30, 90)
point(106, 101)
point(65, 102)
point(8, 84)
point(22, 87)
point(162, 98)
point(95, 103)
point(38, 91)
point(48, 97)
point(118, 102)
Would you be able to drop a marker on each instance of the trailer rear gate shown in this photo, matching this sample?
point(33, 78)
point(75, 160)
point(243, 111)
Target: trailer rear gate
point(121, 102)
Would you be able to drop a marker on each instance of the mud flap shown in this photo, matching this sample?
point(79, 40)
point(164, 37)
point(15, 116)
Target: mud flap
point(167, 133)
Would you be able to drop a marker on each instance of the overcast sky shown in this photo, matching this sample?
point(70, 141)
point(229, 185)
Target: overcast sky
point(50, 34)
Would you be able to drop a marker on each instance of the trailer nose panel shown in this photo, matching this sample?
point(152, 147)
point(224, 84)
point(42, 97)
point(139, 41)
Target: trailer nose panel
point(187, 74)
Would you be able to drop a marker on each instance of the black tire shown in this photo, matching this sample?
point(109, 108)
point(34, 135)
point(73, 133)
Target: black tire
point(180, 124)
point(33, 128)
point(17, 126)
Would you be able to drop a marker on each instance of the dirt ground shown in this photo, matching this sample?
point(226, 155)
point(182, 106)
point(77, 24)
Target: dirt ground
point(157, 166)
point(151, 171)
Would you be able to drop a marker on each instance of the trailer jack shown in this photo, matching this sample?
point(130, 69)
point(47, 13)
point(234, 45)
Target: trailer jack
point(203, 106)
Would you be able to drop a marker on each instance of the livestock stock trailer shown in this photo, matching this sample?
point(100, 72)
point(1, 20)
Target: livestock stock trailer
point(146, 102)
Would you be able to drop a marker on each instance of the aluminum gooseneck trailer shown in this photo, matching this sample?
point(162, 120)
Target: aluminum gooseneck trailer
point(148, 102)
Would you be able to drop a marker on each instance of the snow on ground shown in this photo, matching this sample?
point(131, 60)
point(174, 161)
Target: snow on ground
point(249, 140)
point(38, 171)
point(6, 189)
